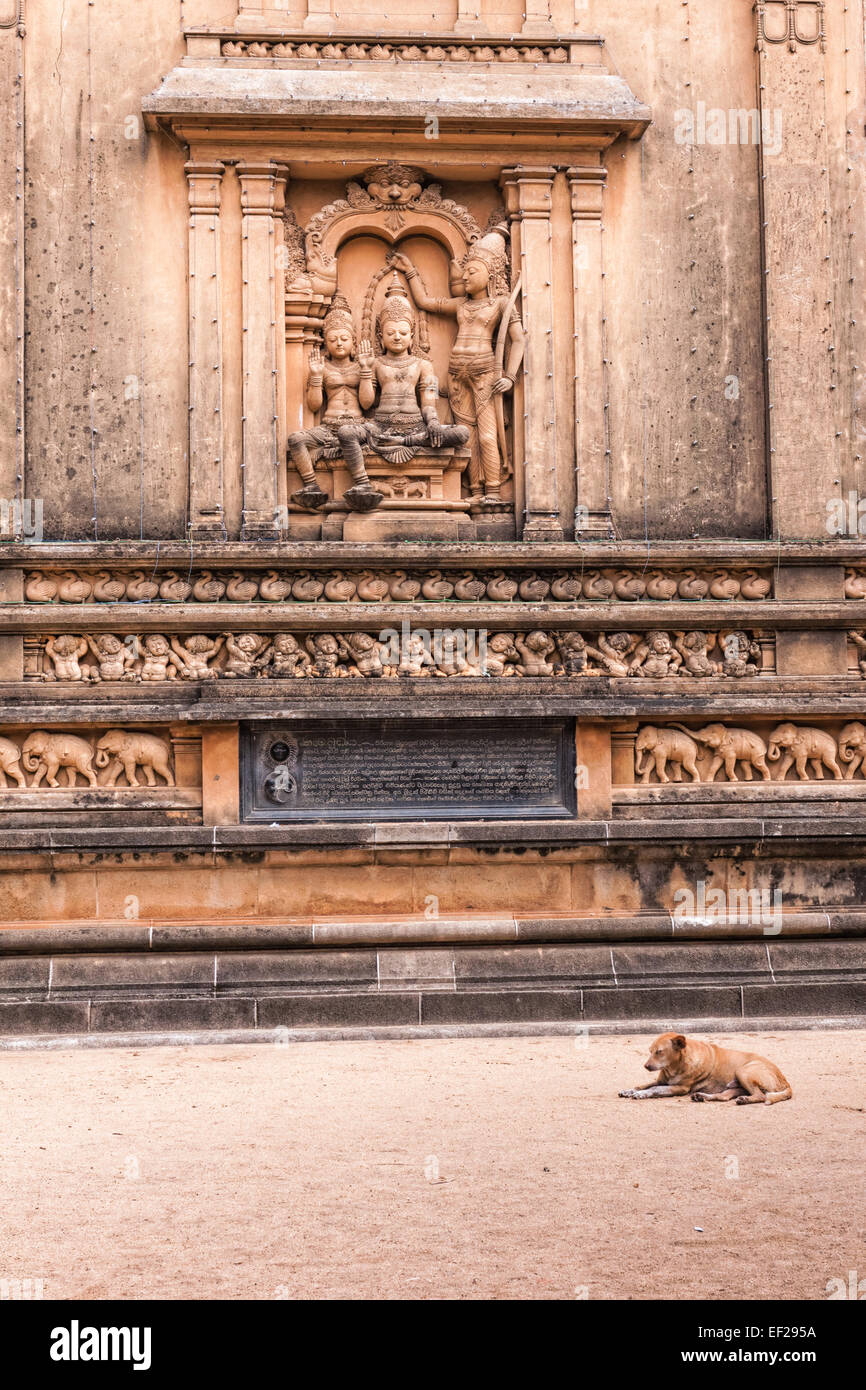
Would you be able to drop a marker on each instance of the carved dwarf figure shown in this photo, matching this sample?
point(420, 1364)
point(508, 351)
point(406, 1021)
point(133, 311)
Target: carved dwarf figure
point(613, 652)
point(288, 661)
point(363, 653)
point(247, 654)
point(693, 648)
point(534, 649)
point(476, 375)
point(742, 654)
point(194, 654)
point(655, 658)
point(325, 651)
point(159, 662)
point(406, 417)
point(501, 656)
point(343, 430)
point(573, 650)
point(115, 658)
point(66, 652)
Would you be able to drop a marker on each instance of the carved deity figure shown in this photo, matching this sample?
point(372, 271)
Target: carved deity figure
point(477, 376)
point(405, 417)
point(335, 379)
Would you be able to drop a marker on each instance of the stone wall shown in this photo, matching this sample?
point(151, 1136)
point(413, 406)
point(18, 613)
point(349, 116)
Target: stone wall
point(664, 557)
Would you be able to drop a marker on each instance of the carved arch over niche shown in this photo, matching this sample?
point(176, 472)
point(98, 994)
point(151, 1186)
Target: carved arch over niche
point(395, 204)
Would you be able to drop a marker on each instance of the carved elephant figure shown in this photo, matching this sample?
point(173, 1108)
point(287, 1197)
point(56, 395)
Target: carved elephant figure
point(852, 748)
point(804, 746)
point(10, 756)
point(43, 753)
point(655, 748)
point(122, 750)
point(732, 746)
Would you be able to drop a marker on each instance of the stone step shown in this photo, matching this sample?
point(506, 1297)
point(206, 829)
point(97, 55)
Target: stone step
point(834, 922)
point(83, 993)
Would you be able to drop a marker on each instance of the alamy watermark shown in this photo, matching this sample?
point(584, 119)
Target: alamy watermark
point(738, 906)
point(711, 125)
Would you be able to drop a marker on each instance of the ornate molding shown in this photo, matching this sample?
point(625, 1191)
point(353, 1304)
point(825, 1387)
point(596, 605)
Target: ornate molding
point(471, 652)
point(790, 31)
point(397, 586)
point(430, 50)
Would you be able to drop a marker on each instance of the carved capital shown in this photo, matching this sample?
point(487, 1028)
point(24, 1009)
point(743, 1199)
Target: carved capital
point(262, 187)
point(205, 186)
point(587, 193)
point(527, 190)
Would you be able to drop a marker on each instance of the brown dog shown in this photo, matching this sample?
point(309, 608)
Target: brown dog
point(687, 1066)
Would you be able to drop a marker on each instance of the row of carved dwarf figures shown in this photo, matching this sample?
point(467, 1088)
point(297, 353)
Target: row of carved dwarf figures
point(674, 749)
point(119, 752)
point(419, 652)
point(401, 586)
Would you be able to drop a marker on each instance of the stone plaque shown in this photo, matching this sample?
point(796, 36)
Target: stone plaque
point(390, 769)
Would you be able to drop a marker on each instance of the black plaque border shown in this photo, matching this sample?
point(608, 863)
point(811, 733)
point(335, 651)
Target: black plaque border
point(254, 736)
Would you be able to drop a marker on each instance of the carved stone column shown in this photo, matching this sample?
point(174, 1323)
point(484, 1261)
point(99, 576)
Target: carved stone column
point(528, 201)
point(592, 516)
point(259, 207)
point(806, 373)
point(537, 23)
point(469, 18)
point(206, 519)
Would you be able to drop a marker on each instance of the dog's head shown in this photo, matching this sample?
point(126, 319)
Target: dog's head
point(666, 1052)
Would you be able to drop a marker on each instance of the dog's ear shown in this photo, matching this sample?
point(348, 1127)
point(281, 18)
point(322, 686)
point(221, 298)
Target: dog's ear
point(678, 1042)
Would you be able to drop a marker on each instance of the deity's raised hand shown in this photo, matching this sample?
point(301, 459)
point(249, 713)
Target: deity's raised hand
point(365, 354)
point(316, 363)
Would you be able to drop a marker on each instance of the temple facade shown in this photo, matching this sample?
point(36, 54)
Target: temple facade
point(433, 513)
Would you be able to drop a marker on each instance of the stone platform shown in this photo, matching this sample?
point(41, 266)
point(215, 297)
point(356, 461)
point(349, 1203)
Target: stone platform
point(111, 979)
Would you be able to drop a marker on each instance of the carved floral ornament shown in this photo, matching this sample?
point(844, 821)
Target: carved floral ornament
point(466, 652)
point(674, 753)
point(397, 586)
point(116, 759)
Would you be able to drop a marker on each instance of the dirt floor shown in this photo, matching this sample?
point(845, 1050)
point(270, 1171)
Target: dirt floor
point(476, 1168)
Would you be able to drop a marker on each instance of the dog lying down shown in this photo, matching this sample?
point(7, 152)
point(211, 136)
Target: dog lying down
point(690, 1067)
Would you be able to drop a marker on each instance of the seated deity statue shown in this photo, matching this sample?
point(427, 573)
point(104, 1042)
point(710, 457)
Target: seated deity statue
point(335, 378)
point(405, 418)
point(476, 376)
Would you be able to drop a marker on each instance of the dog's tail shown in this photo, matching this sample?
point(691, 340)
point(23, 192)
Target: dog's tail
point(770, 1097)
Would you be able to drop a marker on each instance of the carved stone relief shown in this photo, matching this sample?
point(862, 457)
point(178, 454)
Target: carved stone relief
point(115, 759)
point(153, 657)
point(398, 585)
point(673, 753)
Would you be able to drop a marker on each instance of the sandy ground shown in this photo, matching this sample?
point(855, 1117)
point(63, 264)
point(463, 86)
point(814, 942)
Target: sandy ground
point(477, 1168)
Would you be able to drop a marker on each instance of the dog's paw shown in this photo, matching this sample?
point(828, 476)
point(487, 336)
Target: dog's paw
point(742, 1100)
point(628, 1095)
point(698, 1095)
